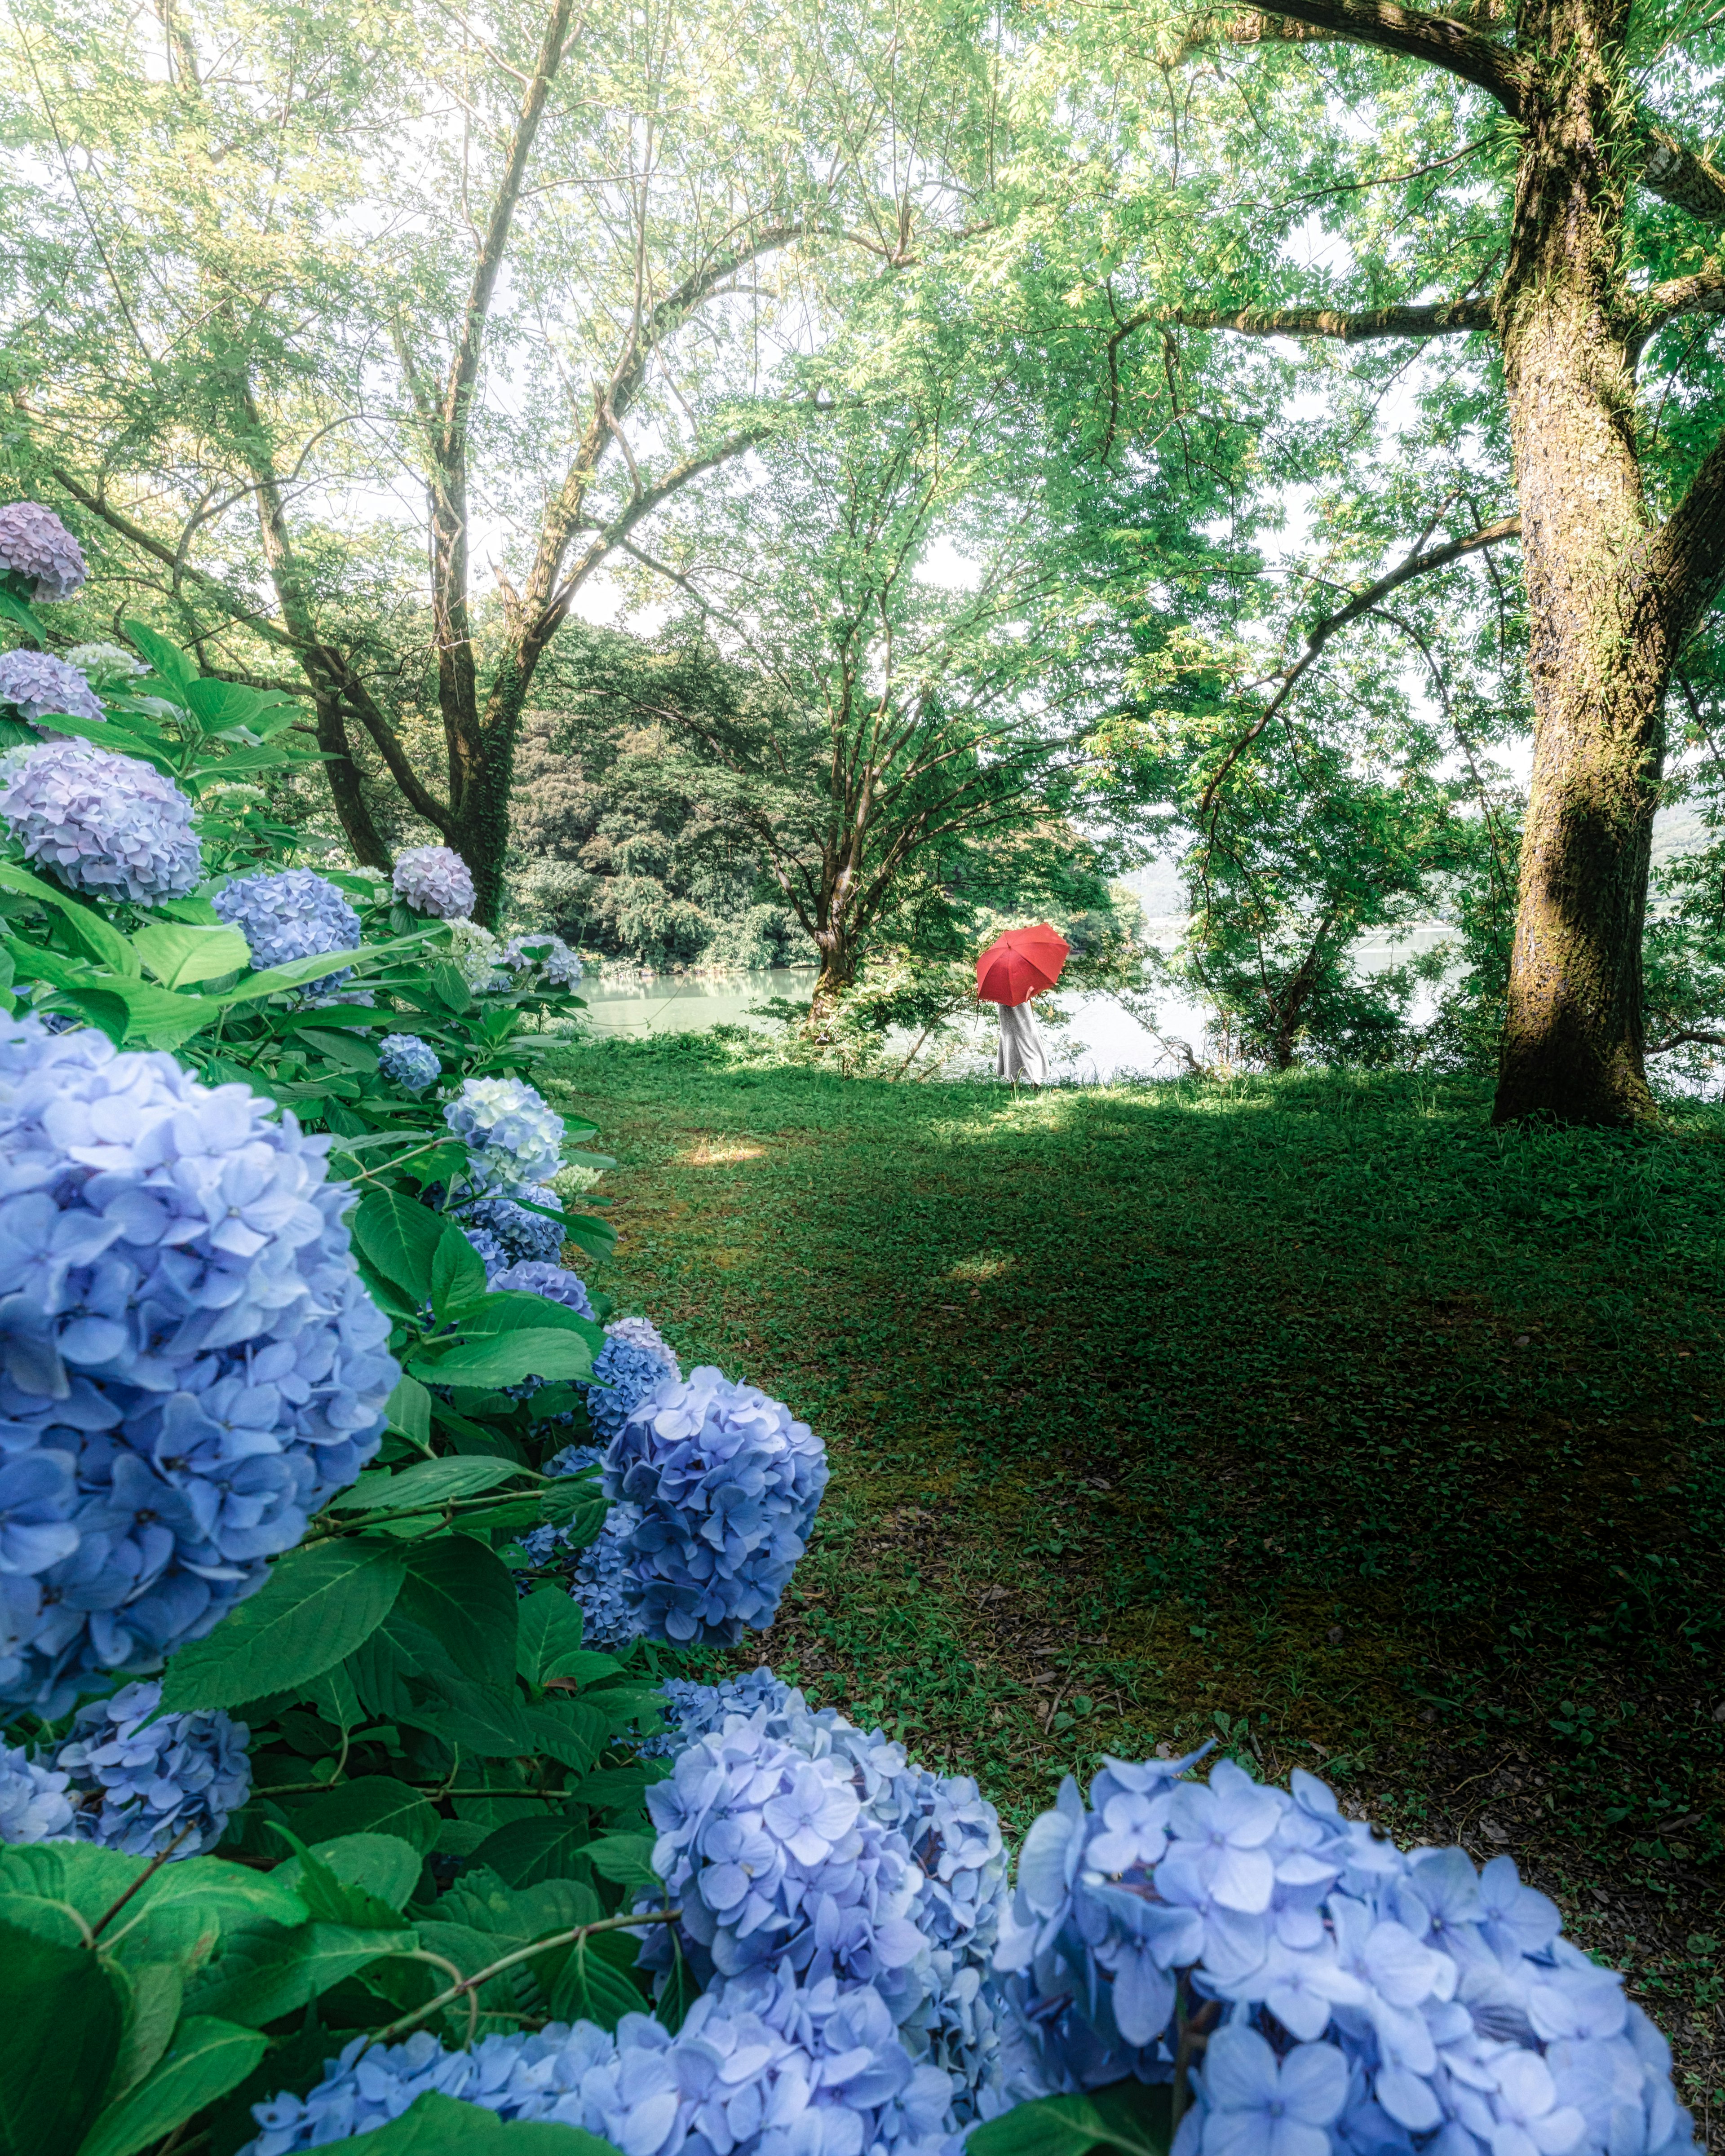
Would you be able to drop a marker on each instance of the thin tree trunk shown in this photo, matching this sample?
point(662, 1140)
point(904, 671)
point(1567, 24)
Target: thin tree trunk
point(1599, 658)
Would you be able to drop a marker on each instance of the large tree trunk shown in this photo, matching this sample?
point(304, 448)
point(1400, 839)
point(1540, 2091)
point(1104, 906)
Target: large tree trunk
point(1600, 657)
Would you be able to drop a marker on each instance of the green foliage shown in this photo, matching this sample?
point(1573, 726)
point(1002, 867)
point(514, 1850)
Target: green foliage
point(58, 2040)
point(1129, 2117)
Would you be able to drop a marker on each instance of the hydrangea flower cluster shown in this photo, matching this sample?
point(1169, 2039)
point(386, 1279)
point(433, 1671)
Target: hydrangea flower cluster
point(107, 664)
point(542, 960)
point(107, 825)
point(189, 1363)
point(514, 1140)
point(532, 1276)
point(165, 1784)
point(1371, 1997)
point(491, 1253)
point(295, 913)
point(727, 1482)
point(624, 1375)
point(34, 1803)
point(34, 544)
point(642, 1332)
point(37, 685)
point(602, 1576)
point(435, 880)
point(762, 2066)
point(523, 1236)
point(408, 1062)
point(945, 1999)
point(475, 953)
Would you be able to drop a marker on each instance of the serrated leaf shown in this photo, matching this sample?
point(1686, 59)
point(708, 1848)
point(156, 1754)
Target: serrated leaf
point(509, 1358)
point(458, 1272)
point(343, 1899)
point(451, 988)
point(221, 704)
point(167, 662)
point(592, 1988)
point(427, 1482)
point(408, 1409)
point(180, 956)
point(150, 1996)
point(317, 1605)
point(1130, 2116)
point(372, 1804)
point(207, 2058)
point(341, 1047)
point(464, 1595)
point(571, 1732)
point(265, 1972)
point(60, 2035)
point(549, 1626)
point(400, 1238)
point(527, 1851)
point(518, 1309)
point(98, 937)
point(626, 1860)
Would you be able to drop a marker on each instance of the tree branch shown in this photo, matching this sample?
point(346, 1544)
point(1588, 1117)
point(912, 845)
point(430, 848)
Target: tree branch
point(1409, 33)
point(1677, 175)
point(1702, 294)
point(1417, 564)
point(1449, 318)
point(1686, 562)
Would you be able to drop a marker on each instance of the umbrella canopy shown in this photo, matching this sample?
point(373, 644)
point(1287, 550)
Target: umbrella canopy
point(1020, 962)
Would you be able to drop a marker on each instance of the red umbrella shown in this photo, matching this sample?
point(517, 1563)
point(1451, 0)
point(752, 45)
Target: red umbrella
point(1020, 962)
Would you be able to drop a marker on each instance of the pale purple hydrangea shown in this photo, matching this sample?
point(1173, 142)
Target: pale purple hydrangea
point(514, 1139)
point(760, 2068)
point(35, 545)
point(727, 1482)
point(1373, 2001)
point(294, 913)
point(152, 1786)
point(526, 1238)
point(533, 1276)
point(435, 880)
point(38, 686)
point(408, 1062)
point(642, 1332)
point(34, 1803)
point(105, 825)
point(542, 960)
point(190, 1366)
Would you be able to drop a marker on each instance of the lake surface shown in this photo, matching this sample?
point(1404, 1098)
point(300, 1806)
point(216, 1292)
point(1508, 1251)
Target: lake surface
point(1100, 1041)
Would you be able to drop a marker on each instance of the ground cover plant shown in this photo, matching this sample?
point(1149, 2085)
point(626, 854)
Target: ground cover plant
point(1309, 1413)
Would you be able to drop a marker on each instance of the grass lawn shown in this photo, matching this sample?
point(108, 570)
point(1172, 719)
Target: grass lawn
point(1310, 1414)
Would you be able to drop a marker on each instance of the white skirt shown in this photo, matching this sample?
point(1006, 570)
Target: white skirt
point(1023, 1053)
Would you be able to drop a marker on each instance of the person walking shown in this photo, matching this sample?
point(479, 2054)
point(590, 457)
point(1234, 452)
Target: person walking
point(1014, 969)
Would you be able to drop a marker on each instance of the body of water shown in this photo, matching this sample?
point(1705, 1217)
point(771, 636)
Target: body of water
point(1099, 1041)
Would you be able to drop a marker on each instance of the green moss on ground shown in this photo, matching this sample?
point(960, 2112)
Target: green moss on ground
point(1309, 1413)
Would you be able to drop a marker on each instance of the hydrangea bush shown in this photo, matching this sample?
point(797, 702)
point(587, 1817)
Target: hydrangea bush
point(534, 1276)
point(624, 1374)
point(35, 546)
point(435, 880)
point(38, 685)
point(291, 914)
point(105, 825)
point(191, 1364)
point(727, 1482)
point(541, 957)
point(523, 1237)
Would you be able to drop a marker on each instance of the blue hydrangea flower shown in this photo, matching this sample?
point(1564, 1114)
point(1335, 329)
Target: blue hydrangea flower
point(1371, 1999)
point(601, 1577)
point(727, 1482)
point(408, 1062)
point(433, 879)
point(34, 543)
point(760, 2067)
point(947, 2000)
point(107, 825)
point(642, 1332)
point(774, 1859)
point(172, 1783)
point(514, 1139)
point(34, 1803)
point(624, 1375)
point(38, 686)
point(190, 1366)
point(292, 914)
point(542, 960)
point(526, 1238)
point(492, 1254)
point(533, 1276)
